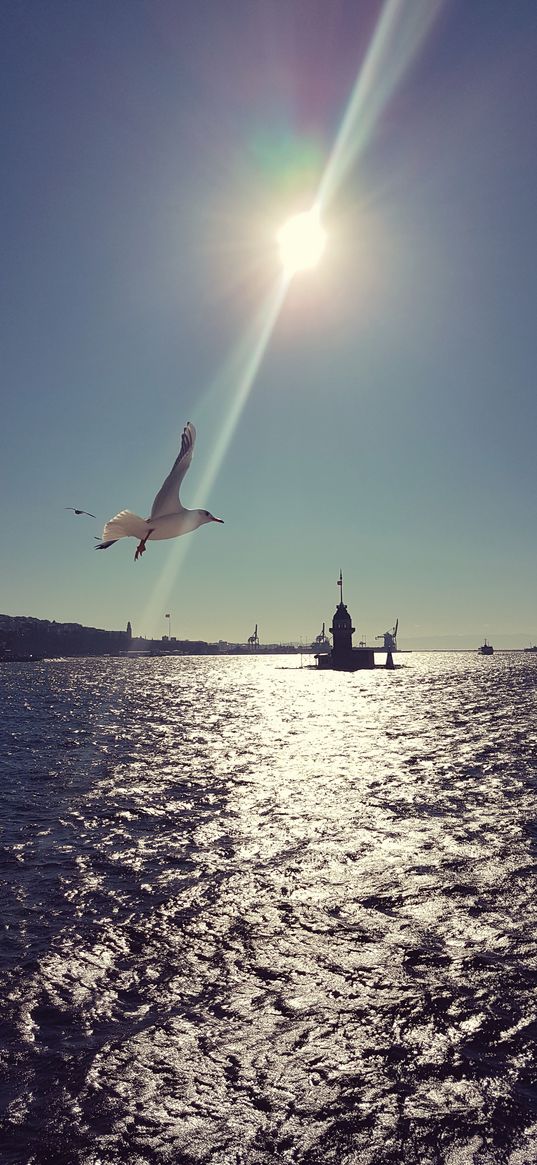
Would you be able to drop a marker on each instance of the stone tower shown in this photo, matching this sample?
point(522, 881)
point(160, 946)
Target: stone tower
point(342, 630)
point(343, 656)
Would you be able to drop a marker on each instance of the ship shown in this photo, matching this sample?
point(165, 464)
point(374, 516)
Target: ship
point(486, 649)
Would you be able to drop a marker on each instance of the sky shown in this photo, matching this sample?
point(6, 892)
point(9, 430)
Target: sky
point(378, 415)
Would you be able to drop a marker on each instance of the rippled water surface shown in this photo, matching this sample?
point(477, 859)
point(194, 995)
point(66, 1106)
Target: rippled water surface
point(253, 913)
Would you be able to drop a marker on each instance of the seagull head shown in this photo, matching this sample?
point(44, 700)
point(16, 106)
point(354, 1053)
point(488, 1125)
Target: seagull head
point(206, 516)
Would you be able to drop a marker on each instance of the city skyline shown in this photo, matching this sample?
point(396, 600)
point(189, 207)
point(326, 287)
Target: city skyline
point(381, 419)
point(450, 642)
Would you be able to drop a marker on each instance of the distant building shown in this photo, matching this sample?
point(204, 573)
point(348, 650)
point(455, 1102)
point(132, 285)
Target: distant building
point(24, 635)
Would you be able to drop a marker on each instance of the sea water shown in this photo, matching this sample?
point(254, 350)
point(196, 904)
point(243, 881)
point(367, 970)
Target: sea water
point(255, 913)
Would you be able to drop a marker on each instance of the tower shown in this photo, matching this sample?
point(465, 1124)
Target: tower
point(342, 630)
point(343, 656)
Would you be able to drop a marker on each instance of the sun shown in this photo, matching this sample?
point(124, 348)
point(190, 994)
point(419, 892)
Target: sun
point(301, 242)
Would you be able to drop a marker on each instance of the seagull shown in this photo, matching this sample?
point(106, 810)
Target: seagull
point(168, 518)
point(86, 512)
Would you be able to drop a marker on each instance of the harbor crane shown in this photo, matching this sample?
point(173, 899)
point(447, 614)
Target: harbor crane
point(321, 637)
point(253, 640)
point(321, 643)
point(390, 638)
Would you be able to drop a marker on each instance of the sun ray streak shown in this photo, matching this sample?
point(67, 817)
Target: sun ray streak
point(253, 351)
point(239, 373)
point(400, 32)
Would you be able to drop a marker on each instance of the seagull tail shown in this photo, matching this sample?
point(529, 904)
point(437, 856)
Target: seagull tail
point(124, 525)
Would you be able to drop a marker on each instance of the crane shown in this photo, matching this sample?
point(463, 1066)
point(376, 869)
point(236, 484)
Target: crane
point(321, 637)
point(321, 643)
point(390, 638)
point(253, 640)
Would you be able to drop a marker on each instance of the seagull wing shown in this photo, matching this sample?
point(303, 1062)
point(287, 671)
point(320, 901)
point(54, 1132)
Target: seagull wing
point(167, 499)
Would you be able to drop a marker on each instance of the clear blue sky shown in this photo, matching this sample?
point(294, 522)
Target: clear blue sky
point(150, 151)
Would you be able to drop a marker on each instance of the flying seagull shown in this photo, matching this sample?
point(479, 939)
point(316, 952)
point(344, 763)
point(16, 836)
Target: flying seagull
point(86, 512)
point(168, 517)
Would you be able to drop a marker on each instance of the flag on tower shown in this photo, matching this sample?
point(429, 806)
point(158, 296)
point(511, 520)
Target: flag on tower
point(340, 580)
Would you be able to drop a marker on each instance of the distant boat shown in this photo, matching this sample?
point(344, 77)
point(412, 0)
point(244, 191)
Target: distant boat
point(532, 648)
point(486, 649)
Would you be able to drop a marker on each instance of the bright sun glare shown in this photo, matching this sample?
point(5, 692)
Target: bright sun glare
point(301, 242)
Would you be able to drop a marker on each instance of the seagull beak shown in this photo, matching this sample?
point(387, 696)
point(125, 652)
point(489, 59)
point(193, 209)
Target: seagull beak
point(218, 520)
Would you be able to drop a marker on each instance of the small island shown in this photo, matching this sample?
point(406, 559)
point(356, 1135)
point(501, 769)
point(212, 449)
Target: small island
point(343, 656)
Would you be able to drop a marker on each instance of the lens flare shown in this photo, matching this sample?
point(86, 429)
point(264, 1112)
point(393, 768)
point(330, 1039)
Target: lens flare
point(399, 34)
point(235, 382)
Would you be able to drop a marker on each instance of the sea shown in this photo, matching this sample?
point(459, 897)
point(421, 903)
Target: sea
point(253, 913)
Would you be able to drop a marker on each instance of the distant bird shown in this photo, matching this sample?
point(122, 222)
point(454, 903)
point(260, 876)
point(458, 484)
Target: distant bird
point(168, 519)
point(86, 512)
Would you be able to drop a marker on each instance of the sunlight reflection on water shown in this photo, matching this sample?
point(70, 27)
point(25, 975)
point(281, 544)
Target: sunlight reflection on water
point(257, 913)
